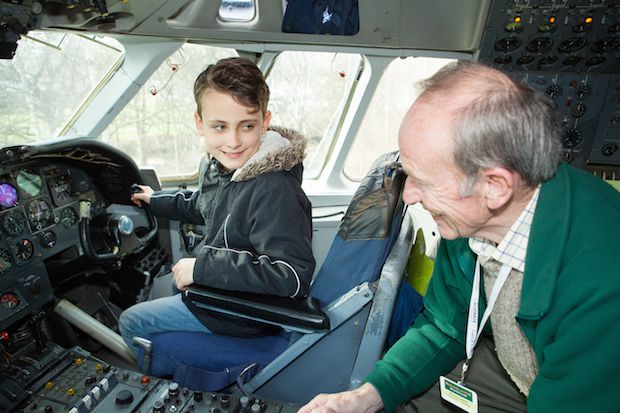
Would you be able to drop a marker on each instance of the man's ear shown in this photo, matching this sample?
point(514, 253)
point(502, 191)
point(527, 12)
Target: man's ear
point(499, 187)
point(198, 120)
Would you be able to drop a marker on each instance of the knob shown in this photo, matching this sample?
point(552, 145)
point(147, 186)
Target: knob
point(255, 408)
point(609, 149)
point(158, 407)
point(173, 389)
point(244, 401)
point(48, 409)
point(198, 397)
point(124, 397)
point(225, 400)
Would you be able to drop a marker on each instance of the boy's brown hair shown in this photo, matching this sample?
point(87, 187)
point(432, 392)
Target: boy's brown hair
point(237, 76)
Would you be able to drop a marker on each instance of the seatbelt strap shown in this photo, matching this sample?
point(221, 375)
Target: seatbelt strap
point(205, 380)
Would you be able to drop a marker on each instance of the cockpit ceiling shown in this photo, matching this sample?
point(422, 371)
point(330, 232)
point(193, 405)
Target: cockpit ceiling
point(440, 25)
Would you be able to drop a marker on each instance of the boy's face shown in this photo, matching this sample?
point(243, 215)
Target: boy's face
point(232, 131)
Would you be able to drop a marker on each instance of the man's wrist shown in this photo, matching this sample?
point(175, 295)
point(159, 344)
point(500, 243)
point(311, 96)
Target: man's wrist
point(369, 394)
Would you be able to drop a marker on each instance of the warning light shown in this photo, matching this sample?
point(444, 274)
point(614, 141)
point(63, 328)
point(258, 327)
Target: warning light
point(588, 20)
point(552, 19)
point(518, 19)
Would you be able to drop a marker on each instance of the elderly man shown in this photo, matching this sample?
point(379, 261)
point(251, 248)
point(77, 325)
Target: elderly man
point(522, 310)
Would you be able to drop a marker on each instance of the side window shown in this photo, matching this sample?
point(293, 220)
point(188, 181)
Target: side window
point(157, 127)
point(308, 93)
point(396, 91)
point(49, 78)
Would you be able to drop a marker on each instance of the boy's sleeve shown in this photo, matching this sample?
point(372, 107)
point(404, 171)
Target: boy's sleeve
point(176, 205)
point(281, 235)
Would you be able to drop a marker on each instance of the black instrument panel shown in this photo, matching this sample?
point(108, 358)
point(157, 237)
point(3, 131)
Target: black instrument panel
point(39, 211)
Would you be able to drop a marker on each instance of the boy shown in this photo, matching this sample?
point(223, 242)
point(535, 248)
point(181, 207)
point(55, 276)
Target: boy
point(258, 219)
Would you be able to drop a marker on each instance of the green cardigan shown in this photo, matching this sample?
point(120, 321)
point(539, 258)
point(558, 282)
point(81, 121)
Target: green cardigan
point(570, 305)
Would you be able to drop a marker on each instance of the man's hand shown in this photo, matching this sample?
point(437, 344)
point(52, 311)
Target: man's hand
point(364, 399)
point(183, 273)
point(142, 196)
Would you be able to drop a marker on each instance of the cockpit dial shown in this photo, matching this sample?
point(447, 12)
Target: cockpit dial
point(9, 300)
point(69, 217)
point(5, 260)
point(40, 214)
point(8, 195)
point(60, 188)
point(23, 250)
point(539, 44)
point(14, 222)
point(572, 45)
point(29, 182)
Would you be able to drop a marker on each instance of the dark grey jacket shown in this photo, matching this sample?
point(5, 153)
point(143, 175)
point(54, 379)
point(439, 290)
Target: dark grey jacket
point(258, 228)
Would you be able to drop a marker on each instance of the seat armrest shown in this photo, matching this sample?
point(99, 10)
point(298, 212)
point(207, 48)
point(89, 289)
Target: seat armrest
point(298, 314)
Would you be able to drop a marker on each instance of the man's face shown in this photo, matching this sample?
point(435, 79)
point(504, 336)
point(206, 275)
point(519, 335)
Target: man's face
point(433, 178)
point(231, 130)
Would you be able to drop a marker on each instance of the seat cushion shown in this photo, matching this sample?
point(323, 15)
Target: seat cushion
point(210, 352)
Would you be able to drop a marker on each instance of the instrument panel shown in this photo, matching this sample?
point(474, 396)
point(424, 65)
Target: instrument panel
point(39, 204)
point(569, 50)
point(38, 212)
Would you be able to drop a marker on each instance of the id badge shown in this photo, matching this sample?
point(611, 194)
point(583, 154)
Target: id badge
point(458, 395)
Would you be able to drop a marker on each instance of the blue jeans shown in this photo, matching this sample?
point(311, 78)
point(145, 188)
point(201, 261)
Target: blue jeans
point(157, 316)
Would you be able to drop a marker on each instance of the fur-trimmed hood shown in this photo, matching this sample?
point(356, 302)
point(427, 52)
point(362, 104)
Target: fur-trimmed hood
point(280, 150)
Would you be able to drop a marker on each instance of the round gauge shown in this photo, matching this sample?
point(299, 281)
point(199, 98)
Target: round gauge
point(582, 27)
point(548, 60)
point(583, 91)
point(571, 138)
point(553, 91)
point(525, 59)
point(23, 250)
point(8, 195)
point(60, 187)
point(502, 60)
point(568, 157)
point(9, 300)
point(69, 217)
point(547, 27)
point(578, 110)
point(539, 44)
point(39, 214)
point(14, 222)
point(513, 27)
point(606, 45)
point(572, 45)
point(595, 61)
point(609, 149)
point(507, 44)
point(29, 181)
point(571, 60)
point(5, 260)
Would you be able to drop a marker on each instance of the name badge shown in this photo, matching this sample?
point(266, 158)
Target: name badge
point(458, 395)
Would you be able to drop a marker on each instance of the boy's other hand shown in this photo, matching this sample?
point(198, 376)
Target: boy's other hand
point(183, 273)
point(143, 196)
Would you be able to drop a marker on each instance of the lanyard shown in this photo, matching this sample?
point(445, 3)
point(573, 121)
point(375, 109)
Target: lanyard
point(473, 330)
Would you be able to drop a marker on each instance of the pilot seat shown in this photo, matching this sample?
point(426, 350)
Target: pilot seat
point(330, 341)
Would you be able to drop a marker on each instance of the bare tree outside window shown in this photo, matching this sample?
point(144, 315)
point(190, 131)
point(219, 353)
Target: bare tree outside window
point(47, 81)
point(378, 133)
point(157, 127)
